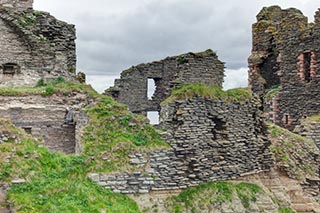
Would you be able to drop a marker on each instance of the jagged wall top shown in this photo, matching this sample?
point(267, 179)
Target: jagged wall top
point(17, 4)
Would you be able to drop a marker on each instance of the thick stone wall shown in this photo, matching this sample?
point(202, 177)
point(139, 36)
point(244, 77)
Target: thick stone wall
point(44, 118)
point(309, 128)
point(17, 4)
point(131, 88)
point(210, 140)
point(286, 53)
point(35, 46)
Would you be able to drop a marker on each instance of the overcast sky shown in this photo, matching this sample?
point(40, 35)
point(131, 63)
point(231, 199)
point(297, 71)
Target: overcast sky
point(113, 35)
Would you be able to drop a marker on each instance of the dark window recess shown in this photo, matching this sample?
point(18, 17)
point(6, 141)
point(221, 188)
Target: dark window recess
point(219, 129)
point(286, 119)
point(10, 69)
point(28, 130)
point(307, 66)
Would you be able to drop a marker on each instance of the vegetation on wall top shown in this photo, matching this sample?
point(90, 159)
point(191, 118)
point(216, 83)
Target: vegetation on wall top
point(189, 91)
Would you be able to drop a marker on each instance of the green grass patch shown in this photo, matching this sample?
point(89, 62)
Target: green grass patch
point(272, 92)
point(286, 210)
point(60, 85)
point(315, 118)
point(55, 182)
point(114, 133)
point(209, 92)
point(206, 197)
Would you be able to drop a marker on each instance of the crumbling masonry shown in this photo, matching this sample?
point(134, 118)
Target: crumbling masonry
point(34, 45)
point(131, 88)
point(285, 54)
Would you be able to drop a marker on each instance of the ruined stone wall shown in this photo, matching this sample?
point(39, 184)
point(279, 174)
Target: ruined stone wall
point(35, 45)
point(132, 87)
point(286, 54)
point(17, 4)
point(309, 128)
point(210, 140)
point(44, 118)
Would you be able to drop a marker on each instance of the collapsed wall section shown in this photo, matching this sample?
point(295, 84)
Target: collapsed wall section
point(45, 118)
point(285, 54)
point(35, 46)
point(132, 87)
point(210, 140)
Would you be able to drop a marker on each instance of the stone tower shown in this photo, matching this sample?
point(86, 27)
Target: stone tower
point(17, 4)
point(285, 54)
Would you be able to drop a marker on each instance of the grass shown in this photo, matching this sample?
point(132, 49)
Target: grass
point(209, 92)
point(286, 210)
point(290, 150)
point(272, 92)
point(315, 118)
point(206, 197)
point(58, 86)
point(57, 182)
point(114, 133)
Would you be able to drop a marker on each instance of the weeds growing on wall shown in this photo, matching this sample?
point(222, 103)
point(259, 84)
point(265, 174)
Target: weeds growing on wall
point(57, 182)
point(208, 91)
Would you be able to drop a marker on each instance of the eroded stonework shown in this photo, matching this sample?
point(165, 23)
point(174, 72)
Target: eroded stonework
point(34, 45)
point(44, 118)
point(132, 88)
point(210, 140)
point(285, 54)
point(17, 4)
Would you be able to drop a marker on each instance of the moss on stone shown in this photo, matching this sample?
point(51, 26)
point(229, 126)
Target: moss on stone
point(189, 91)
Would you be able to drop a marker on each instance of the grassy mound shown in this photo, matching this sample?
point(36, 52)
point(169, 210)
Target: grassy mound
point(208, 91)
point(56, 182)
point(114, 133)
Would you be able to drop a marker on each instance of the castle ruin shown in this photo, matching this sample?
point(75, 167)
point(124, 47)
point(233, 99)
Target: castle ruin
point(34, 45)
point(167, 74)
point(285, 54)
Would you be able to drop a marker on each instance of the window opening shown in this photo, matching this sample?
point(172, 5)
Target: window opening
point(154, 117)
point(286, 119)
point(10, 69)
point(28, 130)
point(307, 66)
point(151, 88)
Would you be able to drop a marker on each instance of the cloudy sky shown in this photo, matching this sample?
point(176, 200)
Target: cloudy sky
point(113, 35)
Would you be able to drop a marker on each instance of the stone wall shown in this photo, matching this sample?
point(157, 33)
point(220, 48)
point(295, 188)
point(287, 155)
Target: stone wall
point(309, 128)
point(44, 118)
point(17, 4)
point(35, 46)
point(210, 140)
point(131, 88)
point(286, 53)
